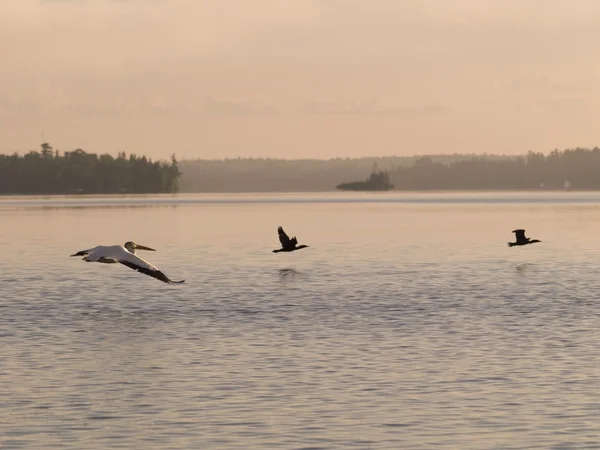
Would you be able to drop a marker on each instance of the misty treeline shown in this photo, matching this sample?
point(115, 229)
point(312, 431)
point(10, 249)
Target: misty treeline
point(279, 175)
point(580, 167)
point(49, 172)
point(577, 168)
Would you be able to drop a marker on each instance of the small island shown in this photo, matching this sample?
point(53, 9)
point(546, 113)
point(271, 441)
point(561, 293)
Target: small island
point(377, 181)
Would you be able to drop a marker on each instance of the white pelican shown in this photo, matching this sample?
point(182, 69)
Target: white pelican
point(125, 254)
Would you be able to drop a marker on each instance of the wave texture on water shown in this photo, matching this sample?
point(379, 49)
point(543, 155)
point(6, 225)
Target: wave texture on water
point(403, 325)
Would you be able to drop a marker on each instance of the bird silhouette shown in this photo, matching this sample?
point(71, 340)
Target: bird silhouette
point(521, 239)
point(126, 255)
point(287, 244)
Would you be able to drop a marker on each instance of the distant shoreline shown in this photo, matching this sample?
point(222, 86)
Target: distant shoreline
point(574, 169)
point(81, 173)
point(332, 191)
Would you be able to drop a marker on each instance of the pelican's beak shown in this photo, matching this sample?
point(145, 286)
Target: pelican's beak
point(141, 247)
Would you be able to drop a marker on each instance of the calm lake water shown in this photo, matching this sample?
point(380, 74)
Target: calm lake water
point(407, 324)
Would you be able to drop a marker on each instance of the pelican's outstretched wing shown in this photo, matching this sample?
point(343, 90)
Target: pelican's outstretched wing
point(283, 238)
point(520, 235)
point(136, 263)
point(107, 260)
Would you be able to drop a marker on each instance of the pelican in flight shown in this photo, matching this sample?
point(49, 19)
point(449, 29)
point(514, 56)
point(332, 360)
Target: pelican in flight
point(125, 254)
point(521, 239)
point(287, 244)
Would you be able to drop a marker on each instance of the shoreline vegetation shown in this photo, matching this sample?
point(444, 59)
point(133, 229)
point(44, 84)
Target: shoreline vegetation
point(76, 172)
point(572, 169)
point(48, 172)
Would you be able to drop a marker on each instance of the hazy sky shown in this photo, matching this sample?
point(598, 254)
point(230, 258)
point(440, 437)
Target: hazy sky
point(299, 78)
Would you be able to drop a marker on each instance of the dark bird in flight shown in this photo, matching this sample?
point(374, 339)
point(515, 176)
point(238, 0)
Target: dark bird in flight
point(287, 244)
point(521, 239)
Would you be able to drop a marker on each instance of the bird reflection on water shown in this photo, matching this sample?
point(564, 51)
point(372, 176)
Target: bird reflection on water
point(288, 273)
point(524, 269)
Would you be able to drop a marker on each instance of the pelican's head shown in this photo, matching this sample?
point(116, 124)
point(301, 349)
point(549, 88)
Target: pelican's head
point(132, 247)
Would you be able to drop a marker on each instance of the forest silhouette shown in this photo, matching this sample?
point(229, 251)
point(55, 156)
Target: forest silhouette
point(78, 172)
point(577, 168)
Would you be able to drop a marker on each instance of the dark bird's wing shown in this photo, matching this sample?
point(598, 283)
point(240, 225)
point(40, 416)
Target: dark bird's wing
point(151, 271)
point(283, 238)
point(520, 235)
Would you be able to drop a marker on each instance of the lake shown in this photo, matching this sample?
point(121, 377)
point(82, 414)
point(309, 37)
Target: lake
point(407, 324)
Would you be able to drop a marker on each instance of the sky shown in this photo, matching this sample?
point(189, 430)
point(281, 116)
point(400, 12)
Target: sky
point(299, 78)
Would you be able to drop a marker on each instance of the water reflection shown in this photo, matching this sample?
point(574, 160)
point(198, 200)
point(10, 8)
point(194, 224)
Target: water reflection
point(288, 274)
point(524, 269)
point(372, 340)
point(399, 197)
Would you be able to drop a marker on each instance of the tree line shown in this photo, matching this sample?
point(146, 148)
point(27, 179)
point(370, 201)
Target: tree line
point(577, 168)
point(282, 175)
point(79, 172)
point(48, 172)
